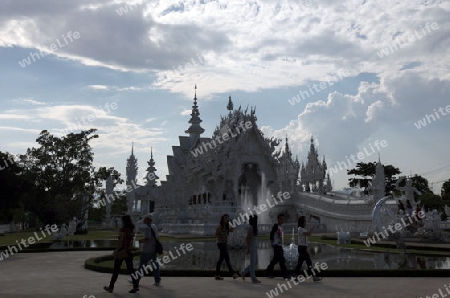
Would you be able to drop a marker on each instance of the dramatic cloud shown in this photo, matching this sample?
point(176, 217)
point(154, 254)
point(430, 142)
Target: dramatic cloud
point(148, 55)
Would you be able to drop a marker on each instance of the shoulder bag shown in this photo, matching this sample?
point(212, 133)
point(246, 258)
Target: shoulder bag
point(158, 246)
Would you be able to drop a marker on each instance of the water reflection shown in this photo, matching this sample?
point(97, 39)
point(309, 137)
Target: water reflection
point(205, 255)
point(62, 244)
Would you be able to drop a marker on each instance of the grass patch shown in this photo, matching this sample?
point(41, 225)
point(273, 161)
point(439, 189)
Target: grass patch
point(10, 238)
point(94, 234)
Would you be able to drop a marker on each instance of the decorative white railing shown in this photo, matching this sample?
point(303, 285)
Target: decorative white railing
point(339, 208)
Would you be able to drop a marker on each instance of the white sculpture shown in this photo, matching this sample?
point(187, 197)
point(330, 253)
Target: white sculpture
point(447, 210)
point(408, 189)
point(379, 215)
point(344, 238)
point(61, 234)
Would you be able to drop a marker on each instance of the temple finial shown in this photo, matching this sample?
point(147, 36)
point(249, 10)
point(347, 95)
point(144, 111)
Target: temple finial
point(195, 130)
point(230, 104)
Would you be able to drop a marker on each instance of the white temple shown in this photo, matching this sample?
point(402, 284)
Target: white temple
point(234, 170)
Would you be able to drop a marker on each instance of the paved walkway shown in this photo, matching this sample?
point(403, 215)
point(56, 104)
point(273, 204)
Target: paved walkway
point(62, 274)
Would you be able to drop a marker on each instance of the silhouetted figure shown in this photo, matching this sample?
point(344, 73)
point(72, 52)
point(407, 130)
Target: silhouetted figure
point(252, 233)
point(222, 231)
point(303, 254)
point(276, 240)
point(125, 243)
point(400, 207)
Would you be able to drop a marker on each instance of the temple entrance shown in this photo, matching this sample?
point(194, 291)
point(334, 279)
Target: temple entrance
point(249, 183)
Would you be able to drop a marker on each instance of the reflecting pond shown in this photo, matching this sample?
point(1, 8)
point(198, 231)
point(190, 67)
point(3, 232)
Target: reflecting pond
point(205, 255)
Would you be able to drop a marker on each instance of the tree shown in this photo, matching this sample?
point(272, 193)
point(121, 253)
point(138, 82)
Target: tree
point(13, 185)
point(445, 190)
point(433, 201)
point(98, 211)
point(118, 208)
point(421, 184)
point(63, 175)
point(367, 172)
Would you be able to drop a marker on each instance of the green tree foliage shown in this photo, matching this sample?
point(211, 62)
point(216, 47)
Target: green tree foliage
point(63, 176)
point(97, 211)
point(445, 190)
point(12, 186)
point(118, 208)
point(419, 182)
point(365, 172)
point(432, 201)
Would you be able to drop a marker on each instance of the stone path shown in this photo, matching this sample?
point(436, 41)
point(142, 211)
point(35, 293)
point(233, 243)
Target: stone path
point(62, 274)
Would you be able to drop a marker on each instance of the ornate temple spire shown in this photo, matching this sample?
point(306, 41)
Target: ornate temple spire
point(315, 171)
point(230, 104)
point(132, 167)
point(312, 148)
point(151, 177)
point(195, 130)
point(131, 171)
point(288, 152)
point(330, 187)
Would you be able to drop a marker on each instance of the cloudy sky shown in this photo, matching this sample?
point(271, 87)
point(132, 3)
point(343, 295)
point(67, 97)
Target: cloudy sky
point(348, 72)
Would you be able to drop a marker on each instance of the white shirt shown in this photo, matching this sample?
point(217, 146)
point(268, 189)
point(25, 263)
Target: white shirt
point(149, 246)
point(277, 235)
point(302, 239)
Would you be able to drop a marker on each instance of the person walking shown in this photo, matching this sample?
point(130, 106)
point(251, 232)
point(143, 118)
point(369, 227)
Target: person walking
point(123, 252)
point(222, 231)
point(417, 216)
point(149, 249)
point(409, 208)
point(401, 207)
point(276, 241)
point(303, 254)
point(252, 233)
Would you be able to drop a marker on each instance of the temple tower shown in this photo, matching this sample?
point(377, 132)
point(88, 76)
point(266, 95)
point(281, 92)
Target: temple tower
point(132, 170)
point(313, 174)
point(195, 130)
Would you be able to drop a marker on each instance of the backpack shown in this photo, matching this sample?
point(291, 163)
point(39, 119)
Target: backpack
point(273, 231)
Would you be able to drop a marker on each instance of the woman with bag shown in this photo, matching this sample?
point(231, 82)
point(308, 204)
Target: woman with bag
point(252, 232)
point(123, 252)
point(222, 232)
point(150, 249)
